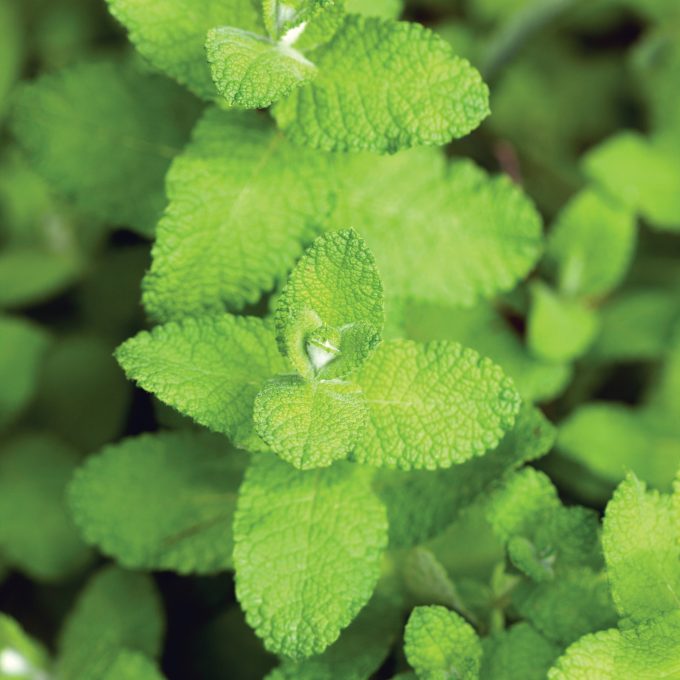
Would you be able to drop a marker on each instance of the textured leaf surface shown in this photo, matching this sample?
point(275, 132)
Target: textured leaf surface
point(116, 610)
point(37, 535)
point(356, 654)
point(101, 134)
point(309, 424)
point(22, 346)
point(642, 551)
point(647, 652)
point(252, 72)
point(163, 501)
point(440, 645)
point(591, 224)
point(297, 589)
point(641, 173)
point(171, 33)
point(210, 368)
point(383, 86)
point(447, 234)
point(133, 666)
point(432, 405)
point(243, 202)
point(280, 17)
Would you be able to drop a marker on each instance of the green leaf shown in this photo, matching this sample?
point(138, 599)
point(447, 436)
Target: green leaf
point(37, 535)
point(427, 581)
point(646, 652)
point(11, 49)
point(440, 645)
point(611, 438)
point(422, 503)
point(335, 284)
point(22, 346)
point(447, 234)
point(116, 610)
point(171, 33)
point(210, 368)
point(21, 657)
point(309, 424)
point(79, 414)
point(432, 405)
point(101, 134)
point(243, 202)
point(409, 91)
point(588, 226)
point(163, 501)
point(485, 330)
point(356, 654)
point(517, 653)
point(642, 551)
point(281, 17)
point(297, 594)
point(641, 173)
point(559, 328)
point(389, 9)
point(251, 71)
point(133, 666)
point(29, 276)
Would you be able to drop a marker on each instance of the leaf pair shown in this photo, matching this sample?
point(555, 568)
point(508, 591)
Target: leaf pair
point(397, 404)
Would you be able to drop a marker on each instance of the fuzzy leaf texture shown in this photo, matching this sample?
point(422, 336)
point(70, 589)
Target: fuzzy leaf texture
point(432, 405)
point(161, 502)
point(101, 134)
point(642, 551)
point(116, 610)
point(310, 424)
point(440, 645)
point(252, 72)
point(171, 33)
point(383, 86)
point(281, 17)
point(335, 284)
point(209, 368)
point(242, 204)
point(296, 592)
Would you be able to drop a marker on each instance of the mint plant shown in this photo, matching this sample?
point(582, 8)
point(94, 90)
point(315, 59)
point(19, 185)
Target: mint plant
point(339, 340)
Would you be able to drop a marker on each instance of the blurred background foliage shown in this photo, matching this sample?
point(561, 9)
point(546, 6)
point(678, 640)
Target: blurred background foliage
point(592, 336)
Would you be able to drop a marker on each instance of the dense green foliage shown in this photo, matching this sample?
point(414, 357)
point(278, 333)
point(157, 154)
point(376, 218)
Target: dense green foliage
point(339, 339)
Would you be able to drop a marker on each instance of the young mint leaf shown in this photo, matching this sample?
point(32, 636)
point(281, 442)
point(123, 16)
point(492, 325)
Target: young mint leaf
point(432, 405)
point(517, 653)
point(171, 33)
point(37, 535)
point(469, 235)
point(209, 368)
point(440, 645)
point(21, 657)
point(648, 651)
point(117, 610)
point(335, 285)
point(642, 551)
point(356, 654)
point(310, 424)
point(22, 347)
point(420, 503)
point(242, 204)
point(363, 96)
point(590, 224)
point(560, 328)
point(281, 17)
point(427, 581)
point(163, 501)
point(297, 594)
point(643, 174)
point(101, 134)
point(133, 666)
point(251, 71)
